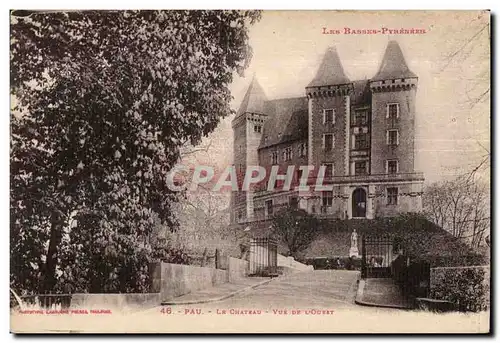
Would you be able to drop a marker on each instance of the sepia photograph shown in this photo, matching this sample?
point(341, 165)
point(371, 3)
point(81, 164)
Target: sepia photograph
point(250, 171)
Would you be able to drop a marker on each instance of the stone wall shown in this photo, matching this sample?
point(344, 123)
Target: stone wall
point(289, 262)
point(167, 282)
point(174, 280)
point(237, 269)
point(120, 301)
point(409, 199)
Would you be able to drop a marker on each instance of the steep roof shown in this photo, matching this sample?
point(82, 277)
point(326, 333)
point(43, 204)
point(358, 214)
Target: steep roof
point(254, 99)
point(287, 121)
point(393, 64)
point(330, 72)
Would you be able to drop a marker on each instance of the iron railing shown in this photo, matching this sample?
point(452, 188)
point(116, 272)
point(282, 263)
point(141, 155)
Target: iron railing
point(263, 256)
point(377, 255)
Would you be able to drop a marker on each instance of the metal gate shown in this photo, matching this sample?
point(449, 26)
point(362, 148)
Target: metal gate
point(376, 251)
point(263, 256)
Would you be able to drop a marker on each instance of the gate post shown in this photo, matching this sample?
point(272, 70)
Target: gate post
point(363, 257)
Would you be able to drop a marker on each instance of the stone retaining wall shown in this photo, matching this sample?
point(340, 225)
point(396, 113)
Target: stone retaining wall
point(174, 280)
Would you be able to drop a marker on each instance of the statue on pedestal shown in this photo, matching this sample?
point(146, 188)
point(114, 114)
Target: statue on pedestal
point(353, 251)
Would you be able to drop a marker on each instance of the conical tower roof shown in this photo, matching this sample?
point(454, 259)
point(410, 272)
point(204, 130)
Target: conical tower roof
point(254, 99)
point(393, 64)
point(330, 71)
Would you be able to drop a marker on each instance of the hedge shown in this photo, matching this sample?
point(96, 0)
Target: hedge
point(467, 287)
point(456, 260)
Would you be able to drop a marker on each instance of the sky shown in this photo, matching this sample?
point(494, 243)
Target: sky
point(451, 135)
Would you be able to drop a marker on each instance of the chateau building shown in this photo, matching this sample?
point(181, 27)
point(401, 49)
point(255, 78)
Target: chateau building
point(362, 132)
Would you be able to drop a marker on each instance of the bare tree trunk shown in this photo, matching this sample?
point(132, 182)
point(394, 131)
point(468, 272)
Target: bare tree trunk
point(52, 254)
point(204, 258)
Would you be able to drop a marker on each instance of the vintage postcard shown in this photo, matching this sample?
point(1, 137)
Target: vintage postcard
point(249, 171)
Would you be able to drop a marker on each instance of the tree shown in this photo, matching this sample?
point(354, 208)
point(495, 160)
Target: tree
point(467, 51)
point(470, 53)
point(459, 206)
point(104, 101)
point(295, 228)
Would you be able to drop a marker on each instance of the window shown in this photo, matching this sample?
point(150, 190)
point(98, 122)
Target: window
point(361, 141)
point(240, 169)
point(269, 208)
point(299, 175)
point(302, 149)
point(240, 148)
point(392, 137)
point(392, 196)
point(328, 142)
point(329, 116)
point(257, 128)
point(328, 170)
point(293, 202)
point(392, 167)
point(392, 111)
point(360, 168)
point(287, 154)
point(360, 118)
point(274, 157)
point(327, 198)
point(240, 216)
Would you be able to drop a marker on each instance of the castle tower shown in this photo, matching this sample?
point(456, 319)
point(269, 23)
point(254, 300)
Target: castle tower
point(392, 149)
point(247, 128)
point(329, 112)
point(393, 89)
point(329, 116)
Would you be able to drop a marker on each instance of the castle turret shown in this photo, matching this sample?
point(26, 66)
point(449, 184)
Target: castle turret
point(393, 89)
point(329, 108)
point(329, 115)
point(247, 128)
point(254, 99)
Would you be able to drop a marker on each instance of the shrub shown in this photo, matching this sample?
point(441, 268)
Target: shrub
point(171, 255)
point(295, 228)
point(417, 279)
point(346, 263)
point(465, 286)
point(456, 260)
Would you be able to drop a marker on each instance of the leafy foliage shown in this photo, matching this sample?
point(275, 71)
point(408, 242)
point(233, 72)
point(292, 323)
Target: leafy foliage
point(340, 262)
point(295, 228)
point(466, 287)
point(172, 255)
point(104, 100)
point(417, 235)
